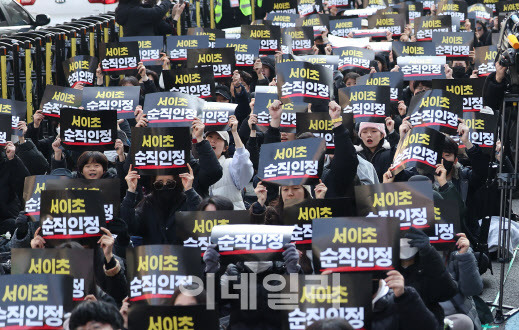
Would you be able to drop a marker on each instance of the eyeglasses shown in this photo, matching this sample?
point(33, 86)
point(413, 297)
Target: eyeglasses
point(159, 185)
point(479, 28)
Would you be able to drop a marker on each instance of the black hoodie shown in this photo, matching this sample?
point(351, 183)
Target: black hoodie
point(138, 20)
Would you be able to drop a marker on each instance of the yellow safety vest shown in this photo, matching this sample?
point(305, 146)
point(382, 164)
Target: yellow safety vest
point(244, 7)
point(260, 3)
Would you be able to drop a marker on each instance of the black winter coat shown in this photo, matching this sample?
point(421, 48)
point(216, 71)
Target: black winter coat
point(407, 312)
point(33, 159)
point(431, 280)
point(145, 219)
point(12, 179)
point(138, 20)
point(493, 92)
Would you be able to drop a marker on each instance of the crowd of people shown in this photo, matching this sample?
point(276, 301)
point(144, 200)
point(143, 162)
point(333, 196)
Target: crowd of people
point(429, 289)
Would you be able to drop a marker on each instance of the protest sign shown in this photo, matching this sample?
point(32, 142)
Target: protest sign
point(109, 191)
point(250, 242)
point(5, 129)
point(453, 44)
point(35, 300)
point(291, 163)
point(285, 6)
point(155, 271)
point(395, 80)
point(197, 81)
point(307, 7)
point(329, 61)
point(78, 263)
point(160, 150)
point(71, 215)
point(170, 109)
point(211, 33)
point(263, 101)
point(124, 99)
point(269, 36)
point(420, 48)
point(150, 48)
point(367, 103)
point(215, 115)
point(299, 39)
point(221, 60)
point(18, 112)
point(395, 23)
point(319, 22)
point(452, 8)
point(469, 89)
point(484, 60)
point(422, 147)
point(301, 215)
point(446, 225)
point(196, 317)
point(355, 59)
point(436, 108)
point(119, 57)
point(57, 97)
point(356, 244)
point(318, 297)
point(410, 202)
point(479, 11)
point(482, 131)
point(320, 124)
point(177, 46)
point(422, 67)
point(193, 228)
point(245, 51)
point(80, 69)
point(282, 20)
point(425, 26)
point(32, 189)
point(83, 130)
point(342, 27)
point(304, 82)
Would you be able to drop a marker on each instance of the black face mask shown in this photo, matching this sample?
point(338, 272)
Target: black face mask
point(448, 165)
point(321, 48)
point(458, 72)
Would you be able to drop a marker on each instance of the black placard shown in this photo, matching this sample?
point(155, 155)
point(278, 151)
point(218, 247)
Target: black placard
point(5, 129)
point(193, 228)
point(32, 189)
point(507, 6)
point(410, 202)
point(492, 4)
point(479, 11)
point(221, 60)
point(71, 215)
point(389, 22)
point(57, 97)
point(329, 61)
point(195, 317)
point(319, 22)
point(482, 131)
point(304, 82)
point(395, 81)
point(342, 27)
point(453, 44)
point(415, 9)
point(177, 46)
point(198, 82)
point(484, 61)
point(292, 162)
point(299, 39)
point(367, 103)
point(283, 20)
point(245, 51)
point(470, 89)
point(154, 271)
point(78, 263)
point(109, 191)
point(215, 115)
point(269, 36)
point(160, 150)
point(284, 6)
point(18, 112)
point(288, 117)
point(320, 124)
point(35, 300)
point(436, 108)
point(446, 224)
point(425, 26)
point(170, 109)
point(355, 244)
point(420, 48)
point(422, 147)
point(422, 67)
point(124, 99)
point(211, 33)
point(355, 59)
point(347, 296)
point(452, 8)
point(119, 57)
point(83, 130)
point(307, 7)
point(150, 48)
point(301, 215)
point(80, 69)
point(250, 242)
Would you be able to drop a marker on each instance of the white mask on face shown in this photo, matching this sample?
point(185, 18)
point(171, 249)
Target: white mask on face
point(258, 266)
point(406, 251)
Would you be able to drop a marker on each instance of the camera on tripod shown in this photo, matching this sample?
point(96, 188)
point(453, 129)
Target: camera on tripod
point(507, 49)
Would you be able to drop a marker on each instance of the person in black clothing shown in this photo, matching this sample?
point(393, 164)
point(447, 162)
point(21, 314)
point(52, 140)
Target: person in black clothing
point(482, 37)
point(95, 314)
point(138, 20)
point(495, 87)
